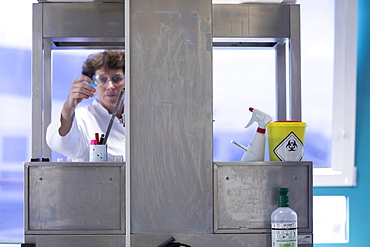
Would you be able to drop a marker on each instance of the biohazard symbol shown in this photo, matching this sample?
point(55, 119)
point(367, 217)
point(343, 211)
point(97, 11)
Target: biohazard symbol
point(292, 145)
point(290, 148)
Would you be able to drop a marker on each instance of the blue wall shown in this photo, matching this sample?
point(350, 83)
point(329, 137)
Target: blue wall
point(359, 196)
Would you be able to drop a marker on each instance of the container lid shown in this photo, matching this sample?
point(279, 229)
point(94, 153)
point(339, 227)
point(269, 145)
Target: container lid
point(287, 123)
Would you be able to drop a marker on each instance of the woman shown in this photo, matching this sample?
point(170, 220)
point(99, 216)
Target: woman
point(71, 132)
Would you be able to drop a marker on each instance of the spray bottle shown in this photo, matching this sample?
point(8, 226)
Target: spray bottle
point(284, 222)
point(256, 148)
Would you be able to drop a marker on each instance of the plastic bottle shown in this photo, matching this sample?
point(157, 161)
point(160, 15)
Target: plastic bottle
point(256, 148)
point(284, 223)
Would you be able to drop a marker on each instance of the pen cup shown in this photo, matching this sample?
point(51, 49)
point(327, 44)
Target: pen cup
point(98, 153)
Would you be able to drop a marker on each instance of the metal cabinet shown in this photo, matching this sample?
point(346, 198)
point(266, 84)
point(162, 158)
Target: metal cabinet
point(66, 203)
point(245, 195)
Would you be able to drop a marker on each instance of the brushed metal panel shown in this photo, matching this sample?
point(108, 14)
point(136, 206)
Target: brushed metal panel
point(269, 20)
point(251, 20)
point(295, 64)
point(74, 197)
point(230, 20)
point(83, 20)
point(76, 240)
point(171, 116)
point(37, 83)
point(142, 240)
point(281, 95)
point(246, 194)
point(47, 95)
point(204, 240)
point(214, 240)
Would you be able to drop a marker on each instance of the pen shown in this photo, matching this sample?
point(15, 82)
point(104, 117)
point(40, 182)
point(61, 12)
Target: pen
point(97, 138)
point(101, 139)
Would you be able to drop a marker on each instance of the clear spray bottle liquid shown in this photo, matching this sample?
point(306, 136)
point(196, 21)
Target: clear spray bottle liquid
point(284, 223)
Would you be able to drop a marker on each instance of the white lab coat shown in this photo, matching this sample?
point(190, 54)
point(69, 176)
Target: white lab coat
point(88, 120)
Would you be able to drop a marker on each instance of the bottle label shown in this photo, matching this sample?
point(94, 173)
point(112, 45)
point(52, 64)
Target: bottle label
point(283, 225)
point(284, 234)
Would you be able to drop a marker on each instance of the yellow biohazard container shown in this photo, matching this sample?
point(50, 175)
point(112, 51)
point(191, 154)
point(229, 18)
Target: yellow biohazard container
point(286, 140)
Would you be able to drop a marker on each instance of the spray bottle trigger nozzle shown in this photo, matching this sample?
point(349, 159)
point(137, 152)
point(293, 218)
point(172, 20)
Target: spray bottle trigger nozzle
point(260, 117)
point(250, 123)
point(253, 118)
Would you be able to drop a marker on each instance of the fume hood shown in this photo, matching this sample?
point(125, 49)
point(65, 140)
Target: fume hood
point(171, 185)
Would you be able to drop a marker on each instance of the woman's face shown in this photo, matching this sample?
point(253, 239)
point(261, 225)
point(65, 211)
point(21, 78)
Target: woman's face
point(110, 82)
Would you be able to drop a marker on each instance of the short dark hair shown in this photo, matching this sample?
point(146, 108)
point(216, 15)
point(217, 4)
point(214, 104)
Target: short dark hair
point(109, 59)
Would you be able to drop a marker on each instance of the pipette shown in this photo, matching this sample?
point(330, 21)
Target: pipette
point(104, 141)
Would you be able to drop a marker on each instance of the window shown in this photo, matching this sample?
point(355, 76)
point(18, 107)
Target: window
point(330, 219)
point(15, 138)
point(329, 58)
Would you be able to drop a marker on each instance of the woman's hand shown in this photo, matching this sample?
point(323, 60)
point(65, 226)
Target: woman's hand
point(79, 90)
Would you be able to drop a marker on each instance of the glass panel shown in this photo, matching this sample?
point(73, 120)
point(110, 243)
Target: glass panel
point(67, 67)
point(330, 219)
point(317, 48)
point(15, 99)
point(242, 78)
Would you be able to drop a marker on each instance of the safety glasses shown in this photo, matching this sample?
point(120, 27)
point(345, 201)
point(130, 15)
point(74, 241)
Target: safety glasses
point(116, 79)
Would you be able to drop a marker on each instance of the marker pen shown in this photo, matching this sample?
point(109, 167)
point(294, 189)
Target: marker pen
point(102, 137)
point(97, 138)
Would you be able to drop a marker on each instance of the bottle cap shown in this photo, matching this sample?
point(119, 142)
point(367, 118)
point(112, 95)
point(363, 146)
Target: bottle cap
point(283, 197)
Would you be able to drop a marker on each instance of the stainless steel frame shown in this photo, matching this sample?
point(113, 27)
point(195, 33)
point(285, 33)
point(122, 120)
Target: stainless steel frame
point(170, 86)
point(66, 26)
point(75, 26)
point(267, 25)
point(169, 94)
